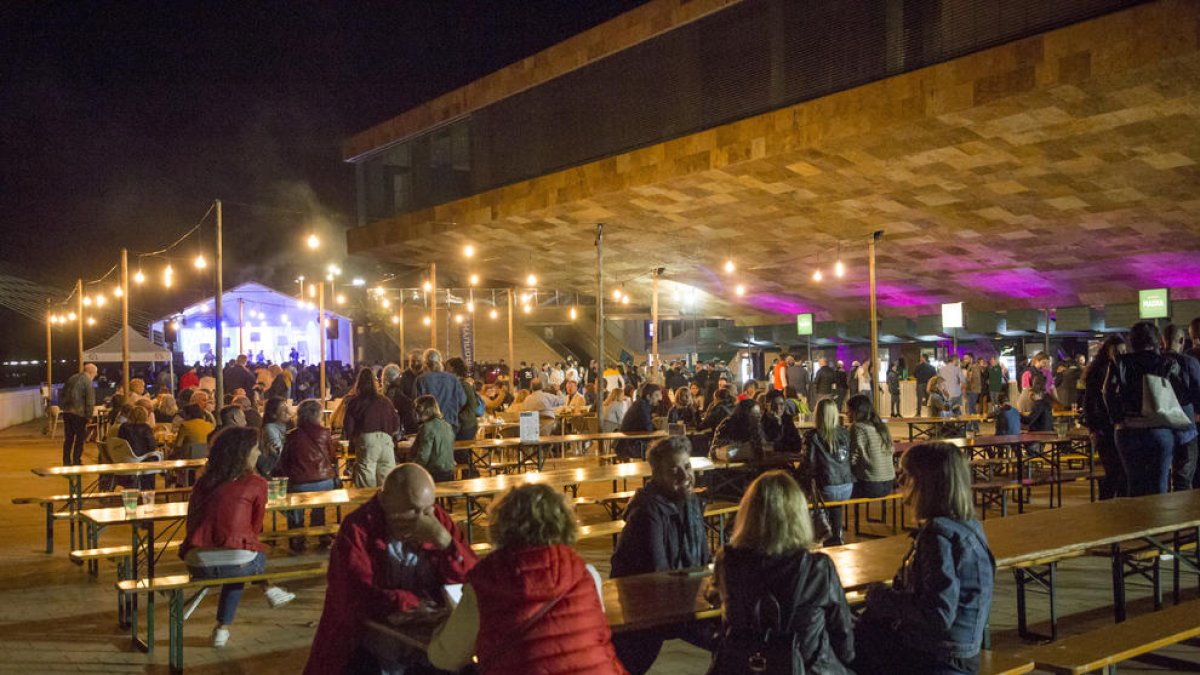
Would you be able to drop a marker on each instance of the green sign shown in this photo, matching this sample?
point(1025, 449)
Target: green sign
point(804, 324)
point(1153, 304)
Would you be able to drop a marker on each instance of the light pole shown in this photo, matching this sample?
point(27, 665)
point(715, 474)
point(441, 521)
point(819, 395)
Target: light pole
point(79, 327)
point(125, 320)
point(321, 334)
point(433, 305)
point(220, 314)
point(874, 369)
point(599, 319)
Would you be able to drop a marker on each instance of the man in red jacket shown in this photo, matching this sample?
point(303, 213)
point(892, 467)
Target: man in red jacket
point(392, 555)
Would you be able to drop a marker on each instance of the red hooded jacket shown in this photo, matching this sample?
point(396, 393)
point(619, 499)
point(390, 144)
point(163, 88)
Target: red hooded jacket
point(571, 639)
point(358, 568)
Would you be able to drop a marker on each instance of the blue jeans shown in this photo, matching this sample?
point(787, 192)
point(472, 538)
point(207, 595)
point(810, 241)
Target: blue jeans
point(295, 517)
point(972, 401)
point(231, 594)
point(836, 493)
point(1146, 455)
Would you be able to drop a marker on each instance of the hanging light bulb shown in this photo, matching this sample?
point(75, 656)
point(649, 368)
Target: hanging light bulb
point(87, 301)
point(91, 321)
point(817, 276)
point(470, 306)
point(314, 242)
point(574, 314)
point(70, 317)
point(526, 308)
point(458, 318)
point(138, 277)
point(729, 267)
point(624, 299)
point(386, 303)
point(740, 290)
point(493, 314)
point(531, 280)
point(395, 319)
point(469, 251)
point(428, 286)
point(341, 299)
point(201, 263)
point(839, 270)
point(617, 294)
point(312, 290)
point(168, 275)
point(426, 320)
point(117, 292)
point(100, 300)
point(474, 280)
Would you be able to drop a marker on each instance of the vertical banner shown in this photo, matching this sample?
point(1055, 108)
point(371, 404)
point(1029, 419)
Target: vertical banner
point(466, 336)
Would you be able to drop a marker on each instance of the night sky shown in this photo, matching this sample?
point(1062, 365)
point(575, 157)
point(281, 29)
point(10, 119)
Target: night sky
point(122, 121)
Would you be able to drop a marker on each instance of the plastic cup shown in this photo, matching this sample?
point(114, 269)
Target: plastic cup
point(148, 497)
point(130, 497)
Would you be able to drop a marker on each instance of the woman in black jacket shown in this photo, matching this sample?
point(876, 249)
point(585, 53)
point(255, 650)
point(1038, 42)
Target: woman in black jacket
point(768, 560)
point(827, 463)
point(1095, 418)
point(722, 407)
point(684, 409)
point(779, 424)
point(742, 429)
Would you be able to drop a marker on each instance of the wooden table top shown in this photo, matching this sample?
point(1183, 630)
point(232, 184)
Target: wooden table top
point(179, 510)
point(120, 469)
point(474, 487)
point(552, 440)
point(932, 420)
point(986, 441)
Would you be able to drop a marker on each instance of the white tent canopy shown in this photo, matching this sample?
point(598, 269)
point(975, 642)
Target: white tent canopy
point(141, 349)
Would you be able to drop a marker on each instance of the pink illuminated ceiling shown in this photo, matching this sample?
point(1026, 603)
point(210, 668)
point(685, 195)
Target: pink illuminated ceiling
point(1077, 185)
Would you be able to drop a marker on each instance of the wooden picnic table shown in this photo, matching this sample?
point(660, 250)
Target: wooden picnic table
point(74, 474)
point(535, 451)
point(1020, 543)
point(932, 427)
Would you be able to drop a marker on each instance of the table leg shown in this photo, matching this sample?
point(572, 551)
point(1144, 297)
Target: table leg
point(49, 527)
point(75, 501)
point(470, 517)
point(1118, 579)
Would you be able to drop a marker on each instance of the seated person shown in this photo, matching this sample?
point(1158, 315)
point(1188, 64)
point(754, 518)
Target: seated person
point(544, 403)
point(225, 517)
point(573, 400)
point(276, 416)
point(639, 418)
point(148, 404)
point(230, 416)
point(533, 574)
point(769, 556)
point(932, 618)
point(433, 448)
point(195, 429)
point(779, 423)
point(143, 447)
point(392, 556)
point(1008, 418)
point(253, 418)
point(308, 462)
point(684, 411)
point(722, 407)
point(741, 431)
point(749, 390)
point(940, 404)
point(664, 530)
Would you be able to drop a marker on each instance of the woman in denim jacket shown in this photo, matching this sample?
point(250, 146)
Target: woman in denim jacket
point(932, 618)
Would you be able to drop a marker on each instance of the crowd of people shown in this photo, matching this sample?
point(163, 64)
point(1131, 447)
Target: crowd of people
point(533, 604)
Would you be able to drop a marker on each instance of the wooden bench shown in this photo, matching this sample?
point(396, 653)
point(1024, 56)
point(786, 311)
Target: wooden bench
point(1105, 647)
point(856, 502)
point(999, 663)
point(55, 506)
point(176, 585)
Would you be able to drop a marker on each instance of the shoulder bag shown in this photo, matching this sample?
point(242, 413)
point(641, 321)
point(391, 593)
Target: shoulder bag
point(769, 649)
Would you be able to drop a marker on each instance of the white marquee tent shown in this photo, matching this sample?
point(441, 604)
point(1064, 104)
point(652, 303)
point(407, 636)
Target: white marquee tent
point(141, 350)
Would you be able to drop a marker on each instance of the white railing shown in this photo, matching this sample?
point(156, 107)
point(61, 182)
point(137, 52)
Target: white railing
point(18, 406)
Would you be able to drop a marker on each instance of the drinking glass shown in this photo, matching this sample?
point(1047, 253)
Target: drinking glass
point(130, 497)
point(148, 497)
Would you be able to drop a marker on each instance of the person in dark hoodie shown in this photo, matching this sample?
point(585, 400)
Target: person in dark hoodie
point(664, 530)
point(743, 430)
point(1042, 416)
point(639, 419)
point(1008, 418)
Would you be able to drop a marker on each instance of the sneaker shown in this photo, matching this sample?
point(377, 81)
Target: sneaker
point(278, 597)
point(220, 637)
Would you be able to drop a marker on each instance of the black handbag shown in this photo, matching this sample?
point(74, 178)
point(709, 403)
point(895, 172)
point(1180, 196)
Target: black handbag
point(766, 649)
point(822, 527)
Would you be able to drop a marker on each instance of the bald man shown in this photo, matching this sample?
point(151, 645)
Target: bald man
point(77, 399)
point(392, 555)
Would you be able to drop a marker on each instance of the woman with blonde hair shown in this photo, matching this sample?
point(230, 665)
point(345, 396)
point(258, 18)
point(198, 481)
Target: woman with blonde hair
point(932, 618)
point(768, 563)
point(533, 605)
point(826, 463)
point(615, 407)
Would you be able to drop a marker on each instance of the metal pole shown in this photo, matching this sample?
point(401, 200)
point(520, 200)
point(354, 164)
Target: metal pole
point(512, 365)
point(321, 333)
point(654, 321)
point(125, 321)
point(79, 313)
point(241, 325)
point(403, 354)
point(49, 355)
point(1046, 342)
point(220, 310)
point(873, 371)
point(433, 305)
point(599, 321)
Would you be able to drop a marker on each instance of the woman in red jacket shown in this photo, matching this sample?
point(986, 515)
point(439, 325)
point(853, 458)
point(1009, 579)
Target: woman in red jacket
point(533, 605)
point(307, 461)
point(225, 516)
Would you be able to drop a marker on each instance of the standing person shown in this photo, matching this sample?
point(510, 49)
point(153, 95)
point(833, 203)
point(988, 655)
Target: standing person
point(893, 385)
point(779, 375)
point(864, 376)
point(371, 424)
point(824, 382)
point(225, 517)
point(638, 419)
point(972, 383)
point(308, 461)
point(797, 375)
point(408, 379)
point(826, 463)
point(443, 386)
point(872, 454)
point(769, 558)
point(1096, 418)
point(189, 379)
point(1068, 391)
point(842, 384)
point(933, 617)
point(923, 373)
point(533, 605)
point(952, 381)
point(664, 530)
point(77, 399)
point(1145, 445)
point(468, 417)
point(392, 557)
point(1184, 462)
point(433, 449)
point(997, 381)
